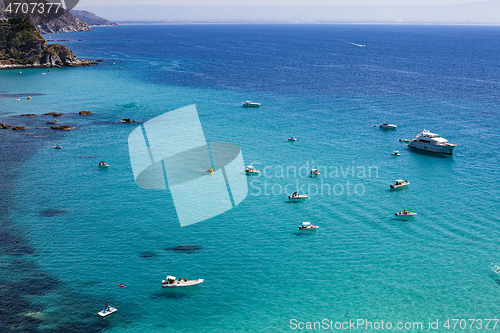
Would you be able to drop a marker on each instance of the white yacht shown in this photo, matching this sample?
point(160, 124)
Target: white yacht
point(170, 282)
point(308, 226)
point(432, 142)
point(387, 126)
point(297, 196)
point(251, 104)
point(314, 172)
point(400, 183)
point(251, 170)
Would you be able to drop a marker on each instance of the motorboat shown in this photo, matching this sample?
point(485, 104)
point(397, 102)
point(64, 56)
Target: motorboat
point(171, 282)
point(249, 104)
point(396, 153)
point(314, 172)
point(400, 183)
point(211, 170)
point(308, 226)
point(108, 311)
point(29, 97)
point(103, 164)
point(297, 196)
point(251, 170)
point(432, 142)
point(387, 126)
point(292, 138)
point(405, 213)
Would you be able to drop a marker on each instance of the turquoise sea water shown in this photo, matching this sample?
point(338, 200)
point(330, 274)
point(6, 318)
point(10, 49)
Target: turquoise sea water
point(92, 229)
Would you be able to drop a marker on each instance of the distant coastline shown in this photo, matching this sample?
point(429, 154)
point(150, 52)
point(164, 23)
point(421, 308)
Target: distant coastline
point(302, 23)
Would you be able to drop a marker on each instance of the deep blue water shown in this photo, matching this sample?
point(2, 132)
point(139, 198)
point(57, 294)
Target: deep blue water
point(87, 230)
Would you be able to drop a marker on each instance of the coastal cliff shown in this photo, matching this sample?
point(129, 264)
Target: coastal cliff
point(64, 21)
point(21, 45)
point(91, 18)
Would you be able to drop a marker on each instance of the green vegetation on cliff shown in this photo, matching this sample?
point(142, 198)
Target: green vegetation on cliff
point(20, 41)
point(21, 45)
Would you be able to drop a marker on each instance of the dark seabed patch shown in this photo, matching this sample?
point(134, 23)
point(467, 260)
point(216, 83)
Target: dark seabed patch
point(86, 157)
point(21, 279)
point(185, 248)
point(14, 245)
point(19, 95)
point(52, 212)
point(147, 255)
point(170, 294)
point(304, 233)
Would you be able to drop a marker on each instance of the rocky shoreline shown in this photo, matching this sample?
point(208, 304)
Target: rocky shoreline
point(24, 47)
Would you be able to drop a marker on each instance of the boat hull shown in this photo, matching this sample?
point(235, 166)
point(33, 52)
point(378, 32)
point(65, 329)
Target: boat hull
point(395, 187)
point(440, 149)
point(181, 285)
point(107, 313)
point(298, 198)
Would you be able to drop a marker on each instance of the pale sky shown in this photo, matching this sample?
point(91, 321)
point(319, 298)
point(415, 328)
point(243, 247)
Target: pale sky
point(272, 2)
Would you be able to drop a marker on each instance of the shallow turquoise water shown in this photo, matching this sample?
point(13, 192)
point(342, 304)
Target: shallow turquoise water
point(259, 271)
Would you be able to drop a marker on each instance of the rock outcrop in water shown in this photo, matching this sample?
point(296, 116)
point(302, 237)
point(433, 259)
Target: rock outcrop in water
point(62, 127)
point(21, 45)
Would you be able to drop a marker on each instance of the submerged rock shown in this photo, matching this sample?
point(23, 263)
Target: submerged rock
point(55, 114)
point(147, 255)
point(52, 212)
point(185, 248)
point(2, 125)
point(82, 113)
point(62, 127)
point(28, 115)
point(19, 128)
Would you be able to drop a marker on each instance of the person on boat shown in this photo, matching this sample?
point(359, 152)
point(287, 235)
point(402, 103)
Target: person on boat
point(106, 308)
point(185, 280)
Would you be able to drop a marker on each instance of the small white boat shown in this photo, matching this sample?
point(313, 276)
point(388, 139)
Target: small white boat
point(103, 164)
point(249, 104)
point(404, 213)
point(400, 183)
point(404, 140)
point(297, 196)
point(171, 282)
point(396, 153)
point(109, 311)
point(18, 99)
point(251, 170)
point(314, 172)
point(292, 139)
point(44, 73)
point(387, 125)
point(308, 226)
